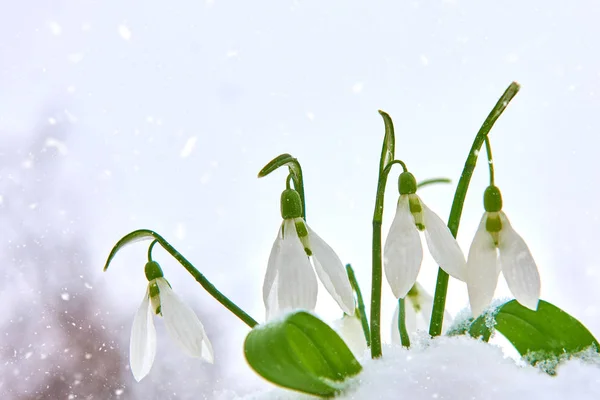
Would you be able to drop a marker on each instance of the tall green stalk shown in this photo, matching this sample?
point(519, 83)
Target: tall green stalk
point(385, 163)
point(441, 288)
point(404, 338)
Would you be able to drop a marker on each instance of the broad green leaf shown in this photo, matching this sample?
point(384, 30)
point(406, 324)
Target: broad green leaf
point(547, 333)
point(302, 353)
point(133, 237)
point(389, 142)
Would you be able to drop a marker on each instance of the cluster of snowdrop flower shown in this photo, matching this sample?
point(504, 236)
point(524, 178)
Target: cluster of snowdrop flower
point(496, 247)
point(290, 282)
point(277, 348)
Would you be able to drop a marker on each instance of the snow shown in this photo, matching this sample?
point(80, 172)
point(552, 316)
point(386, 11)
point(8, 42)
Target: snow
point(456, 368)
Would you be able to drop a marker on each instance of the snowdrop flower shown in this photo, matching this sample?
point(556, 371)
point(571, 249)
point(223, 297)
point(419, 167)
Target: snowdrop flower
point(350, 329)
point(497, 247)
point(181, 322)
point(290, 281)
point(417, 315)
point(403, 251)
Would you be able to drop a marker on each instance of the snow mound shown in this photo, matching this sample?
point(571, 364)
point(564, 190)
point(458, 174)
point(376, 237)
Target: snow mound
point(456, 368)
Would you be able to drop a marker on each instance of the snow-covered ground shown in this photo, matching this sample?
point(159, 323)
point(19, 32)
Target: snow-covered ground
point(457, 368)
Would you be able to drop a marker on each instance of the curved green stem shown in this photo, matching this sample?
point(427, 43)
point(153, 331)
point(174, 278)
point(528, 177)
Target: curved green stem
point(361, 305)
point(441, 288)
point(294, 169)
point(404, 338)
point(150, 249)
point(142, 234)
point(388, 167)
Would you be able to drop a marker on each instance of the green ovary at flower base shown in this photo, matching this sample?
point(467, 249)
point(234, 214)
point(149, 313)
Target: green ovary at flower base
point(497, 247)
point(182, 324)
point(290, 282)
point(403, 252)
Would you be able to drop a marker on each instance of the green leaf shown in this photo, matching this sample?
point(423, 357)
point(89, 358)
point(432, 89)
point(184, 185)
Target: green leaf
point(548, 332)
point(389, 142)
point(433, 181)
point(302, 353)
point(133, 237)
point(280, 161)
point(295, 170)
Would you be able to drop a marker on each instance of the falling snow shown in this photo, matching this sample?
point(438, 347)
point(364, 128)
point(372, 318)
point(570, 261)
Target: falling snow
point(124, 32)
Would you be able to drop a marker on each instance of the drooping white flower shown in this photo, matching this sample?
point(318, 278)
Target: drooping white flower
point(498, 248)
point(417, 315)
point(290, 281)
point(403, 252)
point(183, 326)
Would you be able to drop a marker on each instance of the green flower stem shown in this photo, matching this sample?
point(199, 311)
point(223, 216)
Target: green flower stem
point(361, 305)
point(205, 283)
point(377, 268)
point(402, 323)
point(441, 288)
point(376, 292)
point(150, 249)
point(488, 150)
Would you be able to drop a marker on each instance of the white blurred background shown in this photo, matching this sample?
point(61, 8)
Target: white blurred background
point(117, 115)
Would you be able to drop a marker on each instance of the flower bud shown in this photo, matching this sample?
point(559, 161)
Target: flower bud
point(153, 271)
point(407, 184)
point(492, 199)
point(291, 204)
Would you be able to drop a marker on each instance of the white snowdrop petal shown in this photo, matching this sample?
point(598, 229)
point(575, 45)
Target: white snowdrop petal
point(350, 329)
point(183, 326)
point(207, 350)
point(423, 303)
point(142, 346)
point(403, 252)
point(332, 273)
point(269, 284)
point(272, 301)
point(518, 266)
point(442, 245)
point(296, 280)
point(482, 273)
